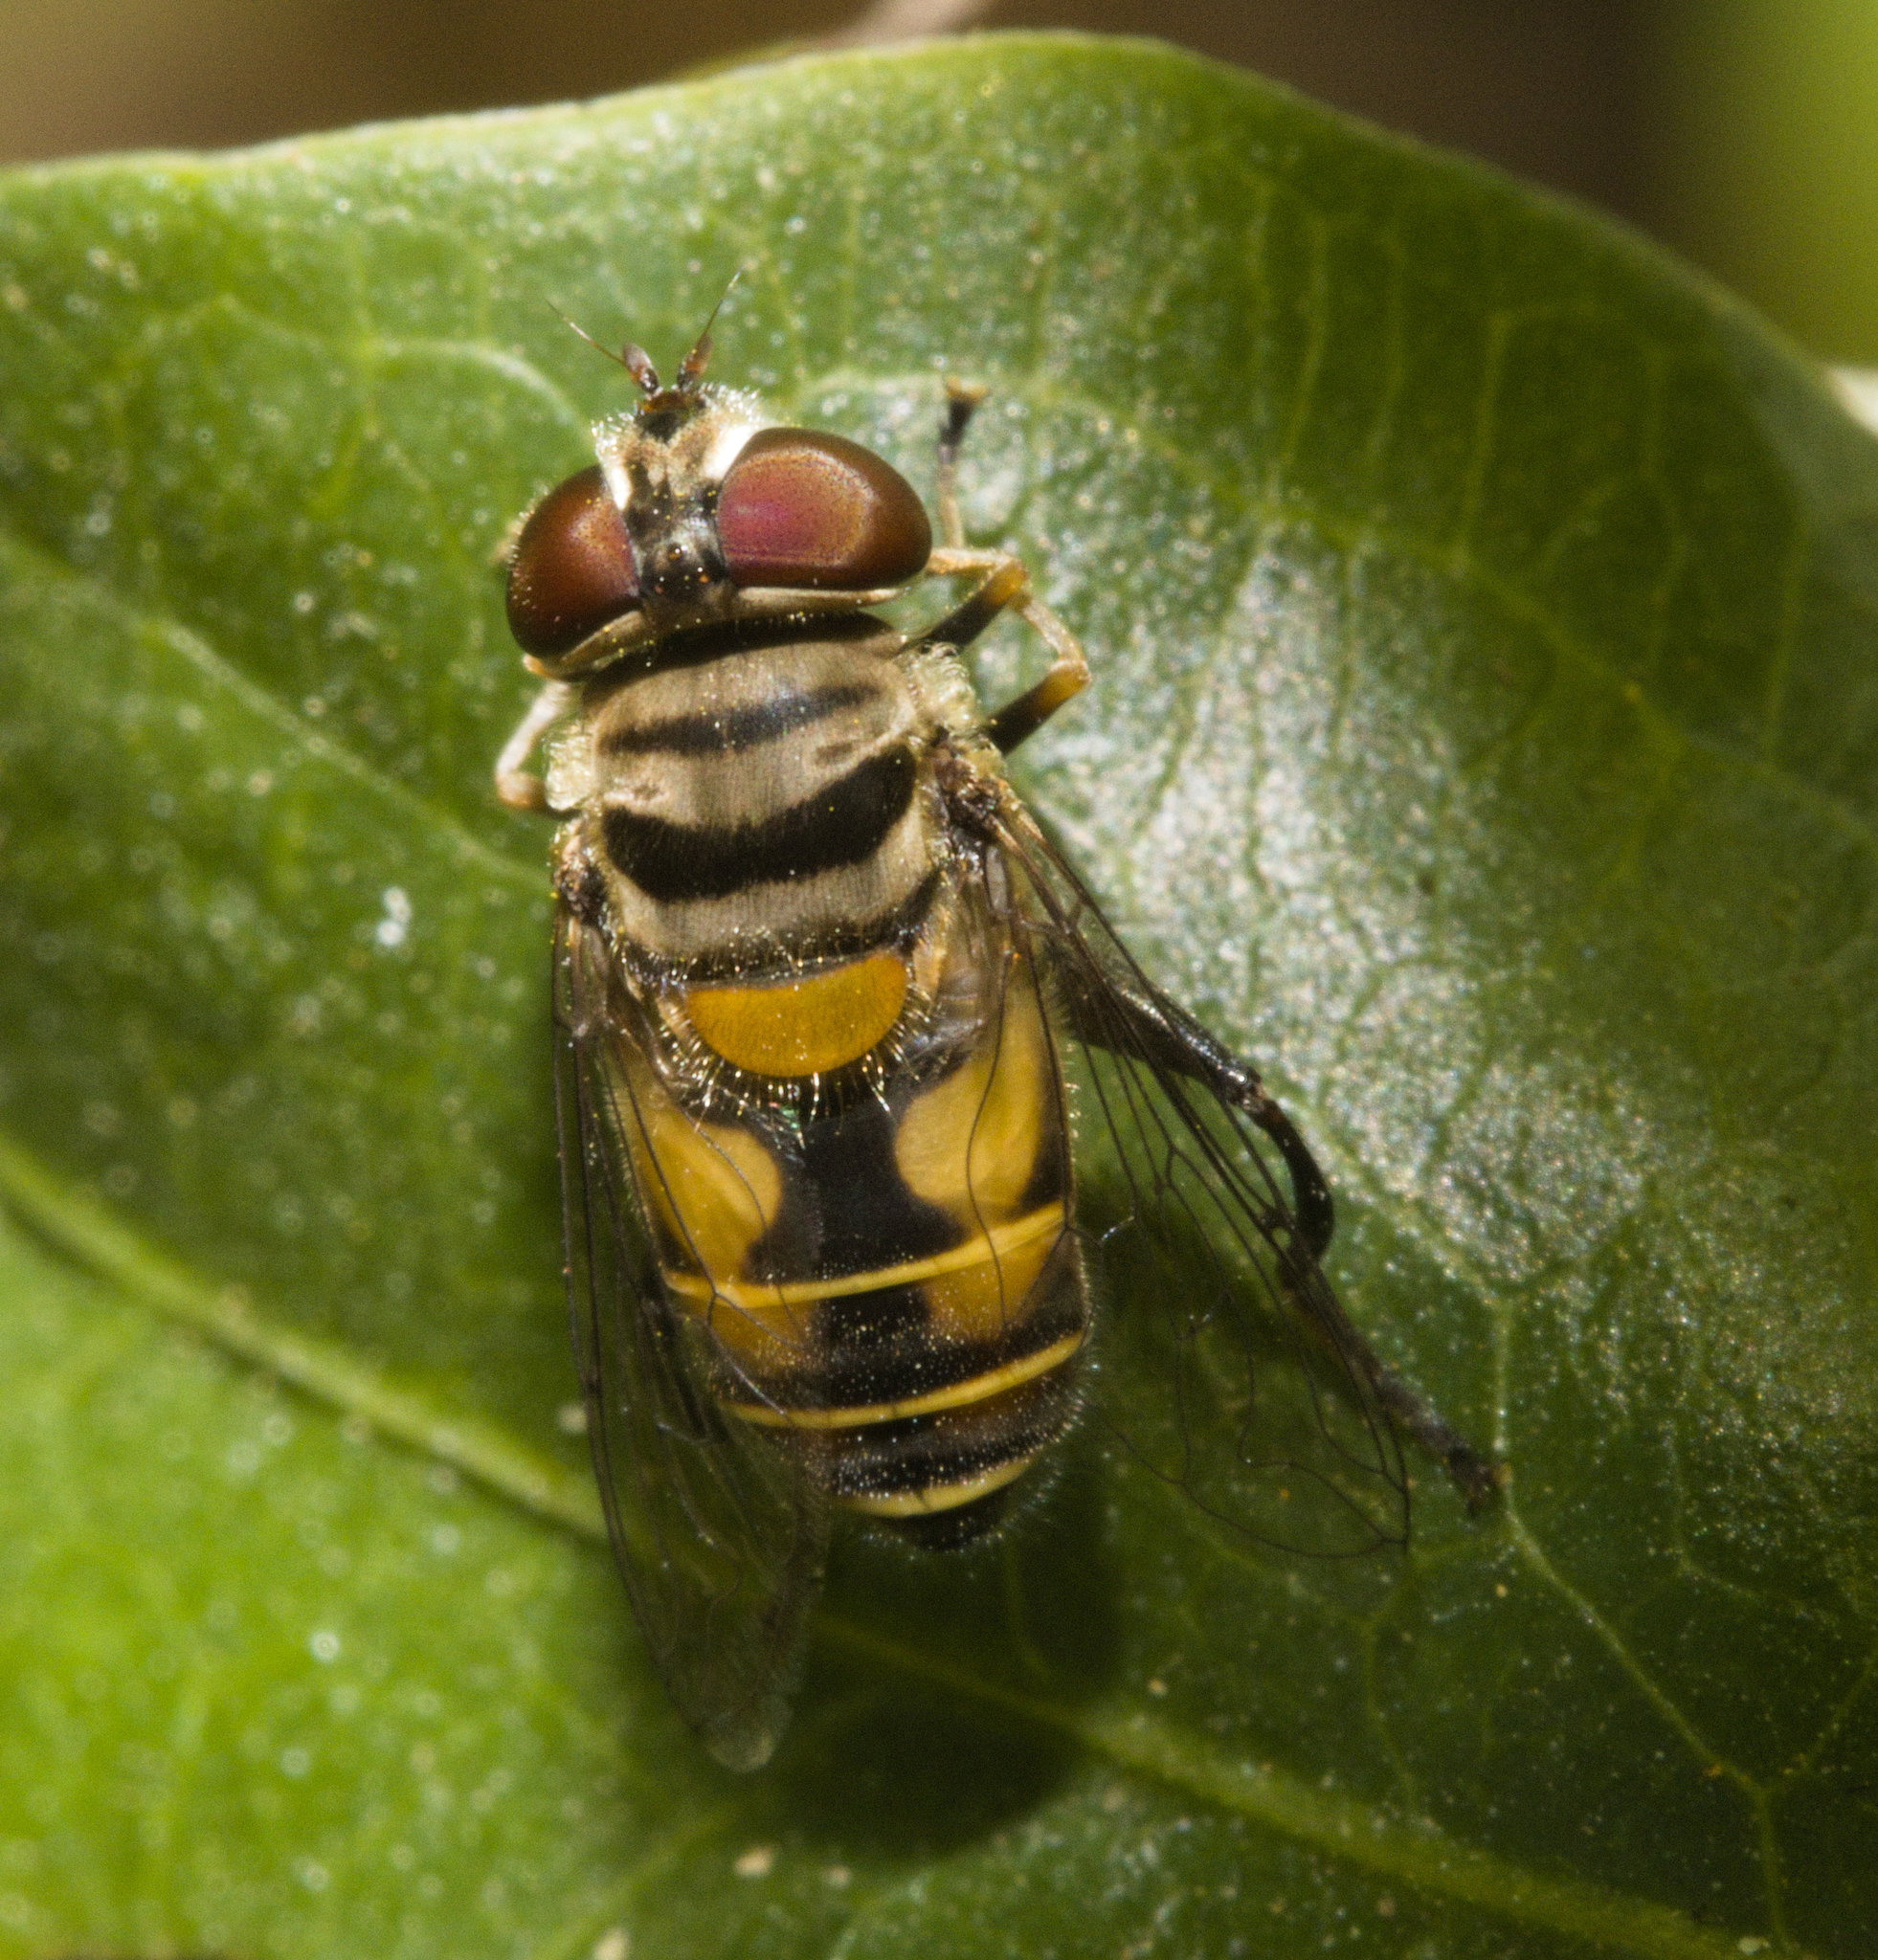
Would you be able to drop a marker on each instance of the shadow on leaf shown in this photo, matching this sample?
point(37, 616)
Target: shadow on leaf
point(913, 1736)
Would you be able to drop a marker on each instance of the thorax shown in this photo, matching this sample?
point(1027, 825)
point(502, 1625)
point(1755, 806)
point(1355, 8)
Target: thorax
point(752, 803)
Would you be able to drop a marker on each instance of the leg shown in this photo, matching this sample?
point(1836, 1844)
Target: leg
point(1154, 1031)
point(514, 785)
point(1004, 585)
point(962, 402)
point(1159, 1034)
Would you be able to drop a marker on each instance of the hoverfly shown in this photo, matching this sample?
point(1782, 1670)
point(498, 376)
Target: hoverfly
point(821, 985)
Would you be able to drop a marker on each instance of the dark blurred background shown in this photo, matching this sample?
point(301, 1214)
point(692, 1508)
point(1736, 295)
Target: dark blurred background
point(1744, 133)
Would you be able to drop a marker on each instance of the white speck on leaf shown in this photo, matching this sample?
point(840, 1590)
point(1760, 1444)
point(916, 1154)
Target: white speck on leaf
point(396, 923)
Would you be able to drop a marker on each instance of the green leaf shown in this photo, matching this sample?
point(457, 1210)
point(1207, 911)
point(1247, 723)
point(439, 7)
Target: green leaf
point(1485, 738)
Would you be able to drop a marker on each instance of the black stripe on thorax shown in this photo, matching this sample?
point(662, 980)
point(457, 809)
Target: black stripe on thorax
point(845, 823)
point(726, 731)
point(697, 646)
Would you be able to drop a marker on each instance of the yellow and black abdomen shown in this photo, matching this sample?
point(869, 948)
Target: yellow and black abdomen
point(888, 1271)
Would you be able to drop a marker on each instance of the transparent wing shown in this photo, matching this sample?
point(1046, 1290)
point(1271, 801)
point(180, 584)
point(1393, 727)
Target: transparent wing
point(718, 1536)
point(1204, 1217)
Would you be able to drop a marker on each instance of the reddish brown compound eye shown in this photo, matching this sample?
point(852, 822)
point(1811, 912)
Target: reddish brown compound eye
point(803, 508)
point(573, 571)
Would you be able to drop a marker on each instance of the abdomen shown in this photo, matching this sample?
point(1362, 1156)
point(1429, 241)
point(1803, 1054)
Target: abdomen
point(884, 1261)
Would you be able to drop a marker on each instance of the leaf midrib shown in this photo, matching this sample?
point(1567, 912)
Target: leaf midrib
point(1365, 1835)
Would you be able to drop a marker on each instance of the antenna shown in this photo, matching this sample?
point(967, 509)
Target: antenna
point(692, 367)
point(635, 361)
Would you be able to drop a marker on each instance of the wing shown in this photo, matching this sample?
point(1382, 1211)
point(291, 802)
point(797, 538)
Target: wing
point(718, 1536)
point(1203, 1218)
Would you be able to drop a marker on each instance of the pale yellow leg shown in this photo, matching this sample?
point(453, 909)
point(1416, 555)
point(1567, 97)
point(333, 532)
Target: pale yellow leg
point(515, 784)
point(1005, 587)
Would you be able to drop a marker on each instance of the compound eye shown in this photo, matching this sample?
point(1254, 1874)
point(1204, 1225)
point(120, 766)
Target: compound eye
point(802, 508)
point(573, 571)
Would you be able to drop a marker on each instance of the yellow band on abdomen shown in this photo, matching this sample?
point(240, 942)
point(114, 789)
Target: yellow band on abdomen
point(979, 1387)
point(940, 1497)
point(794, 1028)
point(758, 1298)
